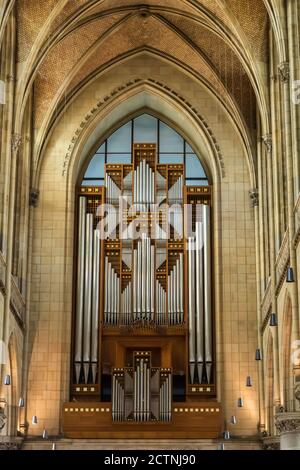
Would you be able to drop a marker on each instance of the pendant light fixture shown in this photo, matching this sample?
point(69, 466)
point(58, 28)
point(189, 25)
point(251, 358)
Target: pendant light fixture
point(258, 355)
point(290, 275)
point(233, 420)
point(34, 420)
point(240, 403)
point(45, 434)
point(21, 403)
point(53, 446)
point(7, 380)
point(221, 446)
point(249, 381)
point(227, 435)
point(273, 320)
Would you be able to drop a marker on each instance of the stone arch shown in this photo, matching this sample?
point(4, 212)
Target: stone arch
point(143, 98)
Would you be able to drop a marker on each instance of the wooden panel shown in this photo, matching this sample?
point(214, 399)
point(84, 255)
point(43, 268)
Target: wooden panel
point(94, 421)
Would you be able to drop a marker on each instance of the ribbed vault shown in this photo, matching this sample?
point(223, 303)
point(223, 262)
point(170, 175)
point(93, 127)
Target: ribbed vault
point(62, 44)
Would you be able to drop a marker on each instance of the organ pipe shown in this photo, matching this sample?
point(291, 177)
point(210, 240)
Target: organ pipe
point(95, 304)
point(144, 280)
point(175, 193)
point(118, 397)
point(141, 399)
point(199, 296)
point(88, 296)
point(80, 287)
point(165, 397)
point(138, 384)
point(199, 299)
point(207, 292)
point(175, 293)
point(160, 304)
point(113, 191)
point(112, 295)
point(126, 305)
point(192, 317)
point(144, 186)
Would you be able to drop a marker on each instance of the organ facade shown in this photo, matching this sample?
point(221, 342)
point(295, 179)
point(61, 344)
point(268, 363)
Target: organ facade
point(143, 319)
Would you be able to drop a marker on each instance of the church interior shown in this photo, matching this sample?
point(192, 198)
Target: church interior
point(149, 224)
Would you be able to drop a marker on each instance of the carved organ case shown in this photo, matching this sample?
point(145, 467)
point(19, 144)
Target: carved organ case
point(143, 321)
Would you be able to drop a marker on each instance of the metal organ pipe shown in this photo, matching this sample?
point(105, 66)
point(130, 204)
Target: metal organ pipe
point(148, 278)
point(152, 279)
point(160, 303)
point(199, 299)
point(95, 304)
point(113, 191)
point(144, 279)
point(80, 287)
point(144, 186)
point(88, 297)
point(199, 291)
point(191, 294)
point(207, 292)
point(144, 182)
point(141, 398)
point(118, 397)
point(175, 293)
point(112, 295)
point(126, 305)
point(165, 397)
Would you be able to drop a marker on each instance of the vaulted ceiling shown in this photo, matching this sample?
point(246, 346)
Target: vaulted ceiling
point(63, 43)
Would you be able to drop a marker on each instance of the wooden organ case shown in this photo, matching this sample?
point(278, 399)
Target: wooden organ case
point(143, 361)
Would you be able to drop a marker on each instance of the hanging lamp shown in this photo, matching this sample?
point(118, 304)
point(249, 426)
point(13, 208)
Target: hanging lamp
point(7, 380)
point(258, 355)
point(273, 320)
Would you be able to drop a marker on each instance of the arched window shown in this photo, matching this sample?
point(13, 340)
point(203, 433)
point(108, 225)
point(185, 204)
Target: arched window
point(171, 149)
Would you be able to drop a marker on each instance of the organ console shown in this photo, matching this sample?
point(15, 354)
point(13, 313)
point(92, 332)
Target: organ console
point(143, 329)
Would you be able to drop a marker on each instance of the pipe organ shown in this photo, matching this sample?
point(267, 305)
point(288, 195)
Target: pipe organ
point(142, 393)
point(143, 330)
point(199, 294)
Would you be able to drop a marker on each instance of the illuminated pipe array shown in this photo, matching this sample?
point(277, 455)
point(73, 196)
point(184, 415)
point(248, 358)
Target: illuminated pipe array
point(126, 305)
point(176, 220)
point(118, 397)
point(143, 280)
point(165, 397)
point(199, 295)
point(141, 397)
point(144, 186)
point(175, 293)
point(87, 305)
point(161, 304)
point(113, 192)
point(175, 193)
point(112, 295)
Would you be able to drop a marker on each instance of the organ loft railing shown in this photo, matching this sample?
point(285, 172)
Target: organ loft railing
point(143, 320)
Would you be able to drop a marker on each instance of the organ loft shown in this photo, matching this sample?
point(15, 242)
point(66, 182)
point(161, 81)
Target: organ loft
point(143, 323)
